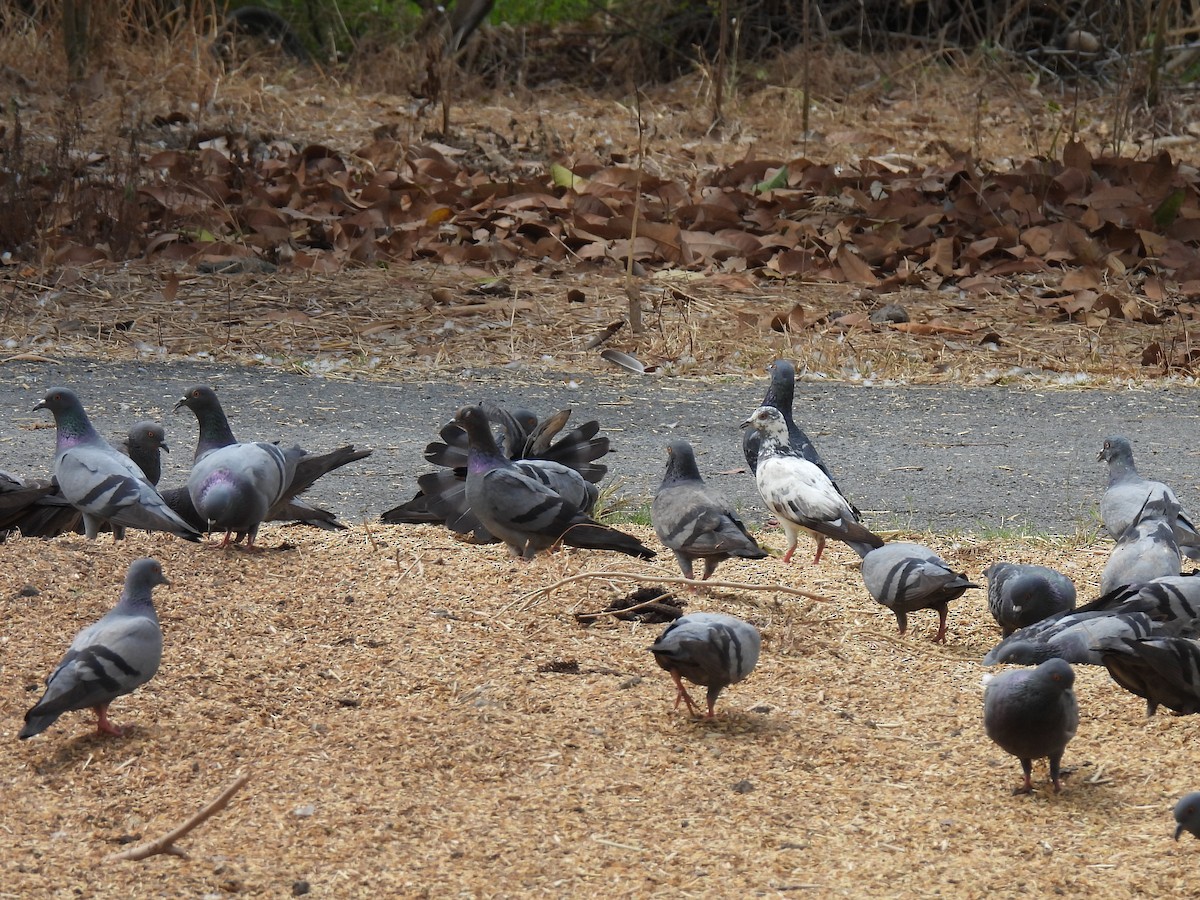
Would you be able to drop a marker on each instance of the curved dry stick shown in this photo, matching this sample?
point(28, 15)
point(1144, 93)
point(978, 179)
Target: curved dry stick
point(166, 843)
point(668, 579)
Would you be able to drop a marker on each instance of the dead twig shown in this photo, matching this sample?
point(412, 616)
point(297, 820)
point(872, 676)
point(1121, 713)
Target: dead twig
point(166, 843)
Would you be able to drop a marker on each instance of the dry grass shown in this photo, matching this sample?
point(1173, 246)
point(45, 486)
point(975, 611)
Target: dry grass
point(386, 694)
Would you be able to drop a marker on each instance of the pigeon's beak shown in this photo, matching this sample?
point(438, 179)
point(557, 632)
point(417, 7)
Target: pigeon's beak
point(1178, 830)
point(1101, 457)
point(182, 402)
point(745, 424)
point(164, 447)
point(41, 404)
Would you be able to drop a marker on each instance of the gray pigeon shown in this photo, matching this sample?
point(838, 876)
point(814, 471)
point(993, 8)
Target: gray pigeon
point(710, 649)
point(102, 483)
point(108, 659)
point(1128, 492)
point(142, 444)
point(907, 577)
point(1164, 671)
point(1032, 713)
point(800, 494)
point(1147, 550)
point(1187, 814)
point(21, 500)
point(1019, 594)
point(234, 486)
point(525, 513)
point(694, 521)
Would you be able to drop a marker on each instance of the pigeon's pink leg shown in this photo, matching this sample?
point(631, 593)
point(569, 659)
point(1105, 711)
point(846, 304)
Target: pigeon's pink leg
point(940, 637)
point(683, 695)
point(103, 726)
point(820, 549)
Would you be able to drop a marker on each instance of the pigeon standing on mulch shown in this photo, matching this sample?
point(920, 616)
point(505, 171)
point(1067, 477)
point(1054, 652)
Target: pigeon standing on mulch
point(1147, 550)
point(1019, 594)
point(693, 520)
point(108, 659)
point(1031, 713)
point(526, 514)
point(1163, 671)
point(800, 494)
point(907, 577)
point(713, 650)
point(102, 483)
point(1128, 493)
point(1187, 814)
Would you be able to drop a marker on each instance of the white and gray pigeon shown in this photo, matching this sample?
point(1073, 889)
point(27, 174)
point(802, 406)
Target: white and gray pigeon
point(906, 577)
point(108, 659)
point(527, 514)
point(1163, 671)
point(1128, 492)
point(1020, 594)
point(1031, 713)
point(234, 486)
point(800, 495)
point(694, 521)
point(101, 482)
point(1187, 814)
point(1147, 550)
point(713, 650)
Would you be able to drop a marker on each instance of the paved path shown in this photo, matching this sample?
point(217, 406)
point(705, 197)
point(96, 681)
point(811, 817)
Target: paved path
point(965, 459)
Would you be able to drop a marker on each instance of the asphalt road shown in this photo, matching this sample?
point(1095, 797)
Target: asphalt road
point(944, 459)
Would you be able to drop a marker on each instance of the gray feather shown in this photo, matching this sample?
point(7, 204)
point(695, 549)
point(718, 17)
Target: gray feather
point(1019, 595)
point(709, 649)
point(907, 577)
point(1032, 713)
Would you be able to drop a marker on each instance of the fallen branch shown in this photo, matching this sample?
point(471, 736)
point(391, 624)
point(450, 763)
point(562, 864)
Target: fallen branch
point(668, 579)
point(166, 843)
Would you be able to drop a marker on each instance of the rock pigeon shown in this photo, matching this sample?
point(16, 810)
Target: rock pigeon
point(1147, 550)
point(143, 444)
point(108, 659)
point(1187, 814)
point(233, 485)
point(907, 577)
point(1019, 595)
point(1164, 671)
point(533, 445)
point(800, 494)
point(102, 483)
point(525, 513)
point(710, 649)
point(694, 521)
point(1128, 492)
point(1031, 713)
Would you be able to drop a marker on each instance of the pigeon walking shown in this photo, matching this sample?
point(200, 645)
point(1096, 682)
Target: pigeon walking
point(800, 494)
point(102, 483)
point(1019, 595)
point(1187, 814)
point(1031, 713)
point(907, 577)
point(1147, 550)
point(709, 649)
point(694, 521)
point(525, 513)
point(108, 659)
point(1128, 493)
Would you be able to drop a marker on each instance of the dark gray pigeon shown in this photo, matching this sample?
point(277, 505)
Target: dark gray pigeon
point(709, 649)
point(143, 444)
point(1187, 814)
point(1128, 492)
point(1164, 671)
point(525, 513)
point(801, 495)
point(99, 481)
point(1147, 550)
point(907, 577)
point(1019, 594)
point(108, 659)
point(694, 521)
point(23, 502)
point(1032, 713)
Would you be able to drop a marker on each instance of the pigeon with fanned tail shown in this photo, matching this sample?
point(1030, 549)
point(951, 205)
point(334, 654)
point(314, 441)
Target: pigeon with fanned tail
point(1031, 713)
point(907, 577)
point(694, 521)
point(1128, 494)
point(533, 445)
point(1019, 594)
point(108, 659)
point(525, 513)
point(801, 495)
point(1163, 671)
point(99, 481)
point(713, 650)
point(1147, 550)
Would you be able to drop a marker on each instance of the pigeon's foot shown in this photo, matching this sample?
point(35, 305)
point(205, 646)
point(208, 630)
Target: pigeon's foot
point(682, 695)
point(104, 726)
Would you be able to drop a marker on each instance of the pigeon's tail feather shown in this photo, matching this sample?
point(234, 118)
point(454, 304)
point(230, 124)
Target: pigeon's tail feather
point(415, 512)
point(593, 536)
point(862, 548)
point(579, 449)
